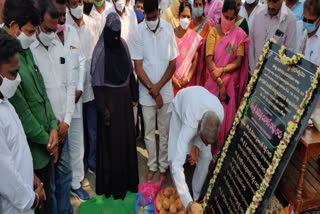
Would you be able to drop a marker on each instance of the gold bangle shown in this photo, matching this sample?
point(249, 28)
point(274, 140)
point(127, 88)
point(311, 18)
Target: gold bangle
point(223, 70)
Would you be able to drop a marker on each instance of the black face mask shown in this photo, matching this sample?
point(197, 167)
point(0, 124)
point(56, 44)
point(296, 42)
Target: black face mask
point(113, 39)
point(117, 64)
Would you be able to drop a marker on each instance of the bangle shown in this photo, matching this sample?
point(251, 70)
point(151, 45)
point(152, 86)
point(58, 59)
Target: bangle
point(223, 70)
point(36, 201)
point(220, 83)
point(188, 79)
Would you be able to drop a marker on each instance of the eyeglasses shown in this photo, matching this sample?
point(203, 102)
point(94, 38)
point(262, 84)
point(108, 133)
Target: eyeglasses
point(311, 21)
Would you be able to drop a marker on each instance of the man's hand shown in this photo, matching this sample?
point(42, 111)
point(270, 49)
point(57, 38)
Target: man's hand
point(159, 101)
point(194, 207)
point(63, 130)
point(154, 91)
point(78, 95)
point(38, 188)
point(53, 140)
point(36, 181)
point(55, 154)
point(194, 155)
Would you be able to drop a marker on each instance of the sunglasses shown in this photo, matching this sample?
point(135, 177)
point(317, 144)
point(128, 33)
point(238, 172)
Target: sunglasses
point(310, 21)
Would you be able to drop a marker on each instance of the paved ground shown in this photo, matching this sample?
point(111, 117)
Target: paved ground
point(143, 169)
point(273, 208)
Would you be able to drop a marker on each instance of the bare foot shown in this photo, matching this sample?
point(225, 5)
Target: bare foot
point(150, 175)
point(163, 177)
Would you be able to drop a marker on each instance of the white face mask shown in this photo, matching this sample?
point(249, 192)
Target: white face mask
point(25, 40)
point(120, 4)
point(8, 87)
point(184, 22)
point(77, 12)
point(152, 25)
point(250, 1)
point(46, 38)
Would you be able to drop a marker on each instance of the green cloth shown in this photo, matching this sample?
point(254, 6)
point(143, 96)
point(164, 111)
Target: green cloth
point(243, 24)
point(103, 205)
point(34, 109)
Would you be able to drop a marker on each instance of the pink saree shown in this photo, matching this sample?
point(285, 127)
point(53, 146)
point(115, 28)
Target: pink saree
point(212, 11)
point(225, 52)
point(188, 45)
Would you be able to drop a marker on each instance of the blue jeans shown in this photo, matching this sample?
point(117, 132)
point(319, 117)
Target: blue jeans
point(90, 132)
point(61, 179)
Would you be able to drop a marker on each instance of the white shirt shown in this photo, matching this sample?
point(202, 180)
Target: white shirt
point(129, 25)
point(243, 12)
point(265, 27)
point(156, 50)
point(100, 18)
point(16, 167)
point(189, 105)
point(78, 60)
point(164, 4)
point(88, 34)
point(56, 69)
point(1, 25)
point(312, 50)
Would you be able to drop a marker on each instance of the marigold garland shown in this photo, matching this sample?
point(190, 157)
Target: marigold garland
point(292, 126)
point(287, 60)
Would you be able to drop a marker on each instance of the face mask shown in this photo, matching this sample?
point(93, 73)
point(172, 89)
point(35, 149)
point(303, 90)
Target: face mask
point(152, 25)
point(60, 28)
point(77, 12)
point(226, 25)
point(8, 87)
point(184, 22)
point(26, 41)
point(309, 27)
point(197, 12)
point(98, 4)
point(46, 38)
point(139, 15)
point(120, 4)
point(250, 1)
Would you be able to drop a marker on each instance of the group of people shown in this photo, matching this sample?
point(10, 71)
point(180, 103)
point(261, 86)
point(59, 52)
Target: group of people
point(74, 74)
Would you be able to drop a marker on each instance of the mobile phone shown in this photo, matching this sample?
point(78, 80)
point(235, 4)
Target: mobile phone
point(279, 33)
point(62, 60)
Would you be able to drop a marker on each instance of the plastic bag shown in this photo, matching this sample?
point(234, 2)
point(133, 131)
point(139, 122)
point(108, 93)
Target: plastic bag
point(149, 191)
point(140, 209)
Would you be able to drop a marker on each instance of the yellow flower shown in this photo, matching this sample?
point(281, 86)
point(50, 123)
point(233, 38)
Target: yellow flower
point(291, 127)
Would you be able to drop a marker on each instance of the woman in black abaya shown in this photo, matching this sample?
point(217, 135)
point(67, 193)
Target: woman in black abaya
point(116, 91)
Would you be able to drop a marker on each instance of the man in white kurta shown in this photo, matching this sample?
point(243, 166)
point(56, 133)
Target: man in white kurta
point(129, 22)
point(69, 38)
point(186, 114)
point(16, 166)
point(16, 180)
point(99, 14)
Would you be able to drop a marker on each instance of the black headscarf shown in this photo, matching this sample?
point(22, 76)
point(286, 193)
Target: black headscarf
point(116, 67)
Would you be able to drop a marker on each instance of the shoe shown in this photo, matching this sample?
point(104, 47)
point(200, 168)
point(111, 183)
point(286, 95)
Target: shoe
point(85, 182)
point(80, 193)
point(92, 171)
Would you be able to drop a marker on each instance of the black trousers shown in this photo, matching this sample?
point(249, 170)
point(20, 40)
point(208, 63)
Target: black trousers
point(44, 175)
